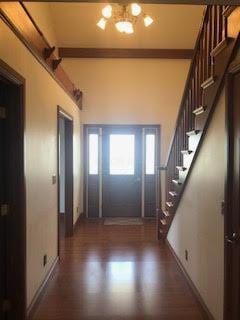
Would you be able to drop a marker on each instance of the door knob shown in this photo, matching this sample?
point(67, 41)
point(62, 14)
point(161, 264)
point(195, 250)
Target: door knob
point(233, 239)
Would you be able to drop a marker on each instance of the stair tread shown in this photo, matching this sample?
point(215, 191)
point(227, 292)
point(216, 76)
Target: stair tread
point(186, 151)
point(181, 168)
point(192, 132)
point(199, 110)
point(176, 181)
point(173, 193)
point(163, 221)
point(166, 213)
point(169, 204)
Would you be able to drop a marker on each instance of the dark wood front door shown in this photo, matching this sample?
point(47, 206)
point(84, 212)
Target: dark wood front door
point(232, 216)
point(122, 172)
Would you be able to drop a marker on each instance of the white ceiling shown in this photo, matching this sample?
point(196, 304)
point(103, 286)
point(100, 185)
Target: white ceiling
point(74, 25)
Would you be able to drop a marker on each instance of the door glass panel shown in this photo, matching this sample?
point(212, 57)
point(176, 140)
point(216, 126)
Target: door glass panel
point(93, 153)
point(122, 150)
point(150, 154)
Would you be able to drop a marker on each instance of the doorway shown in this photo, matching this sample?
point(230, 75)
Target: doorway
point(12, 196)
point(232, 213)
point(120, 170)
point(65, 174)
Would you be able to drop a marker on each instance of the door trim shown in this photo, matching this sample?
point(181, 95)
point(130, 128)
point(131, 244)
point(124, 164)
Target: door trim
point(228, 182)
point(19, 228)
point(61, 113)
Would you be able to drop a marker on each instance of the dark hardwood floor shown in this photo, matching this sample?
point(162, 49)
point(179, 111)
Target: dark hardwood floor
point(117, 272)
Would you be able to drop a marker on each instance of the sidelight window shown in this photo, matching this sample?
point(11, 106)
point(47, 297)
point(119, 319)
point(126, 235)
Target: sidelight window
point(150, 154)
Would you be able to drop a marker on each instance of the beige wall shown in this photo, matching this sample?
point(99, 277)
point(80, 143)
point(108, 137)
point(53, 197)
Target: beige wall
point(43, 95)
point(198, 224)
point(131, 91)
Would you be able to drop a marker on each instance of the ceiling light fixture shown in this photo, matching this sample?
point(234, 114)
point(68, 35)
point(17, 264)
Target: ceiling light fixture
point(124, 17)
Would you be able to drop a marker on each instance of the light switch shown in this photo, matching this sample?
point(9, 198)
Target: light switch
point(54, 179)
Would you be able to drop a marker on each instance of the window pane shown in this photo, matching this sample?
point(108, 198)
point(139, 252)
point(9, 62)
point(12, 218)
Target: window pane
point(122, 153)
point(93, 153)
point(150, 154)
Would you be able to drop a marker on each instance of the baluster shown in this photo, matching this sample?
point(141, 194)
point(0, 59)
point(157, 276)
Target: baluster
point(209, 43)
point(220, 23)
point(205, 52)
point(224, 26)
point(214, 27)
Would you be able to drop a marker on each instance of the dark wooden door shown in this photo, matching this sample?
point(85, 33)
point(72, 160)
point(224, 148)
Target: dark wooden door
point(122, 171)
point(232, 216)
point(3, 239)
point(12, 202)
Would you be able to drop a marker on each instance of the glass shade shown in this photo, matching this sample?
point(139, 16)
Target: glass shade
point(124, 26)
point(107, 11)
point(102, 23)
point(147, 21)
point(136, 9)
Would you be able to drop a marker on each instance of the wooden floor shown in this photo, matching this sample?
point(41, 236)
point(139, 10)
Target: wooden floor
point(117, 272)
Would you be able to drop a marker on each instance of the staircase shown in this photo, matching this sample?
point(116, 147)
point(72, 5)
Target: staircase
point(214, 50)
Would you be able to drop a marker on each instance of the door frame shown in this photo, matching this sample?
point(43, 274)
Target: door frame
point(102, 126)
point(68, 120)
point(228, 251)
point(18, 229)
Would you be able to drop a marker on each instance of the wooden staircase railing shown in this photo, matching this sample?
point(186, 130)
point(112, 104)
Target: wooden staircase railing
point(213, 51)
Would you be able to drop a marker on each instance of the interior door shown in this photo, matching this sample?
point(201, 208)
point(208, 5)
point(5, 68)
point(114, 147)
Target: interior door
point(121, 171)
point(3, 240)
point(232, 216)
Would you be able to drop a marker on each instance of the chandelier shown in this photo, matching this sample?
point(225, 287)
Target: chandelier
point(124, 17)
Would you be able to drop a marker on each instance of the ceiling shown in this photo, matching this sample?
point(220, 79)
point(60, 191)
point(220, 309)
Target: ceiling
point(174, 27)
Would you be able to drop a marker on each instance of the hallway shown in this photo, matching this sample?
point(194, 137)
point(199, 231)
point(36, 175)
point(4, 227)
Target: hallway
point(117, 272)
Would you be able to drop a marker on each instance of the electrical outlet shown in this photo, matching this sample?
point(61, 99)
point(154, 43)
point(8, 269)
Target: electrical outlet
point(44, 260)
point(186, 255)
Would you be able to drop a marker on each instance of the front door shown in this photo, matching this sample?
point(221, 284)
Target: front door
point(121, 167)
point(232, 216)
point(120, 170)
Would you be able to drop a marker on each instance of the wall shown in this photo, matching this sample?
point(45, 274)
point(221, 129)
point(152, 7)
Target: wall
point(43, 95)
point(131, 91)
point(199, 225)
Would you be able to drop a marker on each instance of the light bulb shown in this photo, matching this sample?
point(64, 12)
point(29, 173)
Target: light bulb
point(136, 9)
point(107, 11)
point(102, 23)
point(124, 26)
point(147, 21)
point(128, 27)
point(120, 26)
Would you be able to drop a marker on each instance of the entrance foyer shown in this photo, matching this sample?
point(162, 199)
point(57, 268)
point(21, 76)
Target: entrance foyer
point(117, 272)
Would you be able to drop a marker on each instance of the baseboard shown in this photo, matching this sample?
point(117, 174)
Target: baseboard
point(37, 298)
point(207, 314)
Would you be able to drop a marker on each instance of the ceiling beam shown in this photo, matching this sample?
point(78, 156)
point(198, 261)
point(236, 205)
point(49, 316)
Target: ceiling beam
point(191, 2)
point(112, 53)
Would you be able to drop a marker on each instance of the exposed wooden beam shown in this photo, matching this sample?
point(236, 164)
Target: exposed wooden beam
point(191, 2)
point(19, 20)
point(113, 53)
